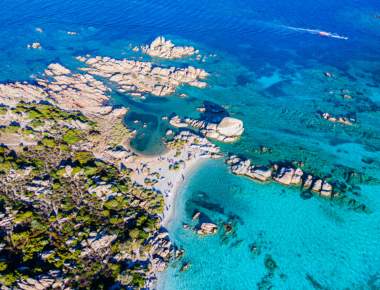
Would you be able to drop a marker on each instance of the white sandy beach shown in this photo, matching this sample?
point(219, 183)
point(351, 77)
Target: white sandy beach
point(167, 180)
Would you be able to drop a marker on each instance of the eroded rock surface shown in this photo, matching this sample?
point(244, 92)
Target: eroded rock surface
point(143, 77)
point(338, 119)
point(160, 47)
point(227, 130)
point(13, 93)
point(75, 91)
point(207, 229)
point(281, 174)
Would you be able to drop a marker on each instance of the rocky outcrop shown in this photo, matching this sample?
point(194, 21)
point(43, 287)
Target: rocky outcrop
point(34, 45)
point(244, 167)
point(72, 91)
point(139, 77)
point(98, 243)
point(338, 119)
point(13, 93)
point(207, 229)
point(178, 123)
point(61, 87)
point(285, 175)
point(288, 175)
point(185, 267)
point(42, 283)
point(195, 145)
point(227, 130)
point(161, 252)
point(160, 47)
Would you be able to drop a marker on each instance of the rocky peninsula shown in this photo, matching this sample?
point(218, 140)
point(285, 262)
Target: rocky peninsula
point(67, 167)
point(79, 202)
point(138, 77)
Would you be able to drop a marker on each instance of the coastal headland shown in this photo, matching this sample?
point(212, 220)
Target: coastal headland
point(79, 201)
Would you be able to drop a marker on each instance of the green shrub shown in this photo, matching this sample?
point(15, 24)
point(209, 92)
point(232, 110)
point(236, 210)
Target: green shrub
point(24, 217)
point(138, 280)
point(34, 114)
point(72, 136)
point(83, 157)
point(48, 142)
point(10, 129)
point(134, 233)
point(3, 110)
point(35, 123)
point(3, 266)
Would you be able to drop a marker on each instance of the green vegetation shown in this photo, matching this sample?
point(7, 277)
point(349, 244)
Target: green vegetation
point(63, 210)
point(176, 144)
point(72, 136)
point(47, 112)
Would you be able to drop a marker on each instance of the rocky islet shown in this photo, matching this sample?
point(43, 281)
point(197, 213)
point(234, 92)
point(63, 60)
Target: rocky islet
point(162, 48)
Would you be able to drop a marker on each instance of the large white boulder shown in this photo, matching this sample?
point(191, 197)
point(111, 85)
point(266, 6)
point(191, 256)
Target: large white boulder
point(230, 127)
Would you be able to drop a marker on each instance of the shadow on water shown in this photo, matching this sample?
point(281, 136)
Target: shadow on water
point(242, 80)
point(213, 112)
point(208, 205)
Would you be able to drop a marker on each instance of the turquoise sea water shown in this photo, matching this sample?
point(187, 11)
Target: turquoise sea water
point(312, 242)
point(272, 78)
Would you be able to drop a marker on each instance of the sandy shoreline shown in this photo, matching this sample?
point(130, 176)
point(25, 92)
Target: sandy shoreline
point(170, 204)
point(170, 200)
point(166, 179)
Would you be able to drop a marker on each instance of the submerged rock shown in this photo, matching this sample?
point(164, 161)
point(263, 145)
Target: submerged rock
point(269, 263)
point(228, 228)
point(185, 226)
point(185, 267)
point(255, 249)
point(179, 253)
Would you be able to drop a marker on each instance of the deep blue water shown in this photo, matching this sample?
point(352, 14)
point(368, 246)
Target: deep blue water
point(271, 77)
